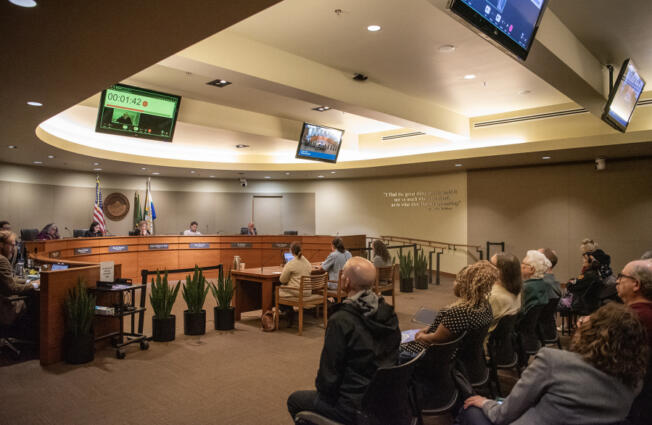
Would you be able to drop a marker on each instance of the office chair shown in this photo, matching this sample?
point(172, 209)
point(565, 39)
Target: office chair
point(5, 331)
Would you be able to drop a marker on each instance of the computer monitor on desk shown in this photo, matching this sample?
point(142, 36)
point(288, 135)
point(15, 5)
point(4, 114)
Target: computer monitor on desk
point(244, 230)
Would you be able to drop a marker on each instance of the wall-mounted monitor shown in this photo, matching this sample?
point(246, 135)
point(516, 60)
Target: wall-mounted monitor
point(132, 111)
point(510, 23)
point(623, 97)
point(319, 143)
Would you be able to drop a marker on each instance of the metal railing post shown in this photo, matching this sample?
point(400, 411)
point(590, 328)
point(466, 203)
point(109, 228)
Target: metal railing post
point(438, 263)
point(430, 267)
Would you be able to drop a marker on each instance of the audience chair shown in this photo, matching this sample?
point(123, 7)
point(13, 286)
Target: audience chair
point(435, 389)
point(28, 234)
point(387, 400)
point(472, 362)
point(317, 285)
point(5, 331)
point(528, 341)
point(500, 346)
point(386, 281)
point(547, 324)
point(337, 293)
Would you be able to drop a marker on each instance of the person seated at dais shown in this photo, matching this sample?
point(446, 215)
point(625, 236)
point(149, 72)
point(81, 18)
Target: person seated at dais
point(141, 229)
point(49, 232)
point(94, 231)
point(251, 229)
point(505, 296)
point(381, 257)
point(291, 276)
point(192, 231)
point(593, 383)
point(335, 262)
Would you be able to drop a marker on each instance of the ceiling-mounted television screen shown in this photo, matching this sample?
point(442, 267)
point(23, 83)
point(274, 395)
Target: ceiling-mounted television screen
point(319, 143)
point(132, 111)
point(510, 23)
point(623, 97)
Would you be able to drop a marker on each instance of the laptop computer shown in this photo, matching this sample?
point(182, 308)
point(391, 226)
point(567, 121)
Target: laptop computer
point(287, 256)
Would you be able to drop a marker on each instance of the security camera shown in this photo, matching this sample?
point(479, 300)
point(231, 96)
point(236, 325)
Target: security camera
point(359, 77)
point(600, 164)
point(243, 182)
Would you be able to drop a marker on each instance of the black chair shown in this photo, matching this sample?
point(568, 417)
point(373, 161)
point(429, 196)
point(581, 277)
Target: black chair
point(547, 324)
point(471, 360)
point(501, 350)
point(435, 389)
point(28, 234)
point(6, 340)
point(244, 230)
point(291, 232)
point(78, 233)
point(526, 329)
point(387, 399)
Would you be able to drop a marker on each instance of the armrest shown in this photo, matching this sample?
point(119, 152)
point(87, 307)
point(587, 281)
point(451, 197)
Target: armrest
point(16, 297)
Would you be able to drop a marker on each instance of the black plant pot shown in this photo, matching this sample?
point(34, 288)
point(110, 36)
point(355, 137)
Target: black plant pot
point(78, 349)
point(421, 282)
point(406, 284)
point(194, 323)
point(164, 329)
point(224, 318)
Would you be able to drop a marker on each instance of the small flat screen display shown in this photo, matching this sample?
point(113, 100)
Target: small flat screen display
point(288, 256)
point(624, 96)
point(56, 267)
point(319, 143)
point(511, 23)
point(136, 112)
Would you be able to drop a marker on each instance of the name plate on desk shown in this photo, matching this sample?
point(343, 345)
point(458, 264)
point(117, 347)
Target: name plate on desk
point(158, 246)
point(118, 248)
point(81, 251)
point(199, 245)
point(241, 244)
point(280, 245)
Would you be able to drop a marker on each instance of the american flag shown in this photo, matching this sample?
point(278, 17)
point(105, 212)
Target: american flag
point(98, 213)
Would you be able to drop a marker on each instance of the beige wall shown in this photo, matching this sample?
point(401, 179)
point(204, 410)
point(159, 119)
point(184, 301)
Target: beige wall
point(559, 205)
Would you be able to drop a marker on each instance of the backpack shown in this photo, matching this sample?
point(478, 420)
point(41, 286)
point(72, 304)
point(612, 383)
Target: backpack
point(268, 320)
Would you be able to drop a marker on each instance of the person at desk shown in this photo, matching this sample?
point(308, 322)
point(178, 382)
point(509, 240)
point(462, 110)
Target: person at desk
point(49, 232)
point(124, 119)
point(141, 229)
point(94, 231)
point(335, 262)
point(12, 311)
point(193, 230)
point(291, 276)
point(251, 230)
point(4, 225)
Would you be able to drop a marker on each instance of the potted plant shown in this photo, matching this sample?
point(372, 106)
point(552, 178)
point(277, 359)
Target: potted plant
point(78, 339)
point(223, 293)
point(421, 270)
point(194, 292)
point(162, 297)
point(406, 266)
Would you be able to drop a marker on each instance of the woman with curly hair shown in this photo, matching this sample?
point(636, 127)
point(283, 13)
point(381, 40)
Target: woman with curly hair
point(381, 257)
point(470, 312)
point(595, 382)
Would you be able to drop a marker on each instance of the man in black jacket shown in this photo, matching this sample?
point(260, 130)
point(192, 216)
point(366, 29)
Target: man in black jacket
point(362, 335)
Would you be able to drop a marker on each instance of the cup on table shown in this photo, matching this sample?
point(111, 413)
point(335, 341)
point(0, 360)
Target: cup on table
point(242, 266)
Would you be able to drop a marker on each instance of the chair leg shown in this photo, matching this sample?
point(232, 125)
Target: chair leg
point(6, 342)
point(300, 319)
point(278, 313)
point(325, 308)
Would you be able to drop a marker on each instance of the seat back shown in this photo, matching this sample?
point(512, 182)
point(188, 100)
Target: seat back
point(471, 356)
point(547, 323)
point(527, 329)
point(434, 385)
point(501, 342)
point(385, 276)
point(314, 282)
point(387, 399)
point(28, 234)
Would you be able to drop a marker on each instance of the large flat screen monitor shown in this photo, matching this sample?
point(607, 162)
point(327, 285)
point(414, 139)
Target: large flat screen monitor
point(510, 23)
point(319, 143)
point(623, 97)
point(136, 112)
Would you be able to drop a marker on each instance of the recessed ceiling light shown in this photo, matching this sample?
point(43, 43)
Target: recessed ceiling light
point(51, 156)
point(192, 171)
point(96, 164)
point(37, 162)
point(97, 169)
point(524, 92)
point(287, 173)
point(219, 83)
point(469, 76)
point(156, 173)
point(143, 168)
point(34, 103)
point(241, 146)
point(23, 3)
point(268, 177)
point(333, 172)
point(373, 28)
point(12, 147)
point(458, 165)
point(545, 157)
point(447, 48)
point(212, 177)
point(321, 108)
point(320, 177)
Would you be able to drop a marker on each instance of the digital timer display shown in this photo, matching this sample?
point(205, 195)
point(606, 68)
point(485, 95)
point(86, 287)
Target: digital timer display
point(137, 112)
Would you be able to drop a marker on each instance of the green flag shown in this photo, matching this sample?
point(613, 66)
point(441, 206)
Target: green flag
point(138, 212)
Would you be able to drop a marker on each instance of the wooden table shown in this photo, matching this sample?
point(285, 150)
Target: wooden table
point(254, 288)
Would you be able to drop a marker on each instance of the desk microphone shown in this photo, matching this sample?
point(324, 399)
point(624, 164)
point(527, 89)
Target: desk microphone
point(68, 230)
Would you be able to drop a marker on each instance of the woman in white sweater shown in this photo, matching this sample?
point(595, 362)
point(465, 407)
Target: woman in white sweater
point(291, 276)
point(505, 296)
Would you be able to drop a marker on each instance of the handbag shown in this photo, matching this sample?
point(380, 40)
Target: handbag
point(268, 320)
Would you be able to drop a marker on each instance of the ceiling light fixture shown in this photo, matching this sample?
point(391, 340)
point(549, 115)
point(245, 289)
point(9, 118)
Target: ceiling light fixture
point(51, 156)
point(321, 108)
point(469, 76)
point(447, 48)
point(37, 162)
point(143, 168)
point(320, 177)
point(34, 103)
point(12, 147)
point(333, 172)
point(97, 169)
point(96, 164)
point(268, 177)
point(458, 165)
point(156, 173)
point(192, 171)
point(23, 3)
point(219, 83)
point(545, 157)
point(373, 28)
point(212, 177)
point(241, 146)
point(287, 173)
point(524, 92)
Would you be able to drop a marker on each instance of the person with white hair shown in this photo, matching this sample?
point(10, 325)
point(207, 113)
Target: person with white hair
point(535, 290)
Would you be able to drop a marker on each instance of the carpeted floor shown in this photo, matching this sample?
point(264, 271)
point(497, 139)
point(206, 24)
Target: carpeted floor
point(238, 377)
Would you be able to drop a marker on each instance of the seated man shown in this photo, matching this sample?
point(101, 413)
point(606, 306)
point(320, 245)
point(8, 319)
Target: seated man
point(193, 230)
point(362, 335)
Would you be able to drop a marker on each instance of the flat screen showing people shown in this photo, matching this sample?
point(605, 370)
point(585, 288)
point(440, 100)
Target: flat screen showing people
point(319, 143)
point(56, 267)
point(511, 23)
point(624, 96)
point(288, 256)
point(136, 112)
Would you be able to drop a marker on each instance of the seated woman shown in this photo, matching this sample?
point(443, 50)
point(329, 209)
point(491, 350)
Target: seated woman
point(94, 231)
point(291, 276)
point(141, 229)
point(49, 232)
point(535, 289)
point(595, 382)
point(586, 288)
point(381, 257)
point(471, 311)
point(505, 296)
point(335, 262)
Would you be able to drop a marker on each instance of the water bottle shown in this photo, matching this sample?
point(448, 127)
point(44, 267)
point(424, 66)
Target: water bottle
point(20, 268)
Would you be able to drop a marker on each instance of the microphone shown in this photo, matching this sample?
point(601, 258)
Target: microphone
point(68, 230)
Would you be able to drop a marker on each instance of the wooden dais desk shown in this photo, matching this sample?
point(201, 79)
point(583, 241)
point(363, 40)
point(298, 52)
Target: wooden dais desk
point(254, 288)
